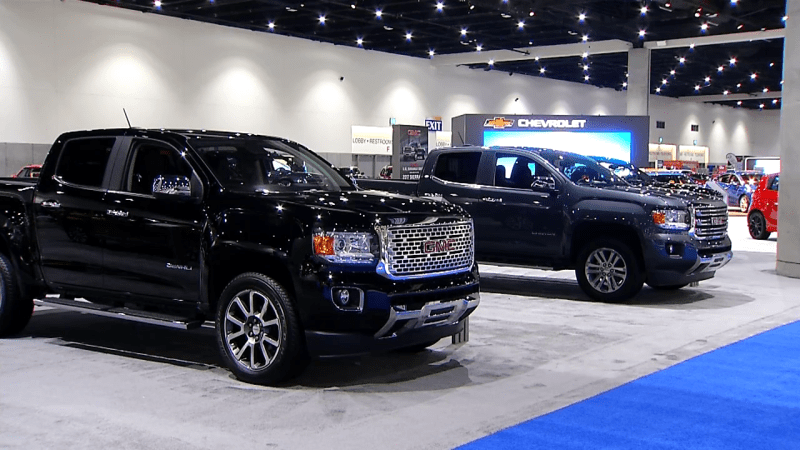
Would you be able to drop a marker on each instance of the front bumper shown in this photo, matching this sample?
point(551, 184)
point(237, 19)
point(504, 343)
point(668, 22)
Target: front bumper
point(675, 259)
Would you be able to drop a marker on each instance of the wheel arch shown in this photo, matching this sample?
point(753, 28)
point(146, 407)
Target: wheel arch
point(586, 232)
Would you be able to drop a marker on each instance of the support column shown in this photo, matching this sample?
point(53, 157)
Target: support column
point(789, 210)
point(638, 95)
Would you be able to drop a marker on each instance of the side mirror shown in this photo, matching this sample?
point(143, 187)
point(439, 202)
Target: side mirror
point(172, 186)
point(543, 183)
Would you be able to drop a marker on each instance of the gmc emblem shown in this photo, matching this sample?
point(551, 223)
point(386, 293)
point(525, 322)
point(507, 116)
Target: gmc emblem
point(442, 245)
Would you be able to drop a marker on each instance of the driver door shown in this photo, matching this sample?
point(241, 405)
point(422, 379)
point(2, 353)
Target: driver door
point(154, 245)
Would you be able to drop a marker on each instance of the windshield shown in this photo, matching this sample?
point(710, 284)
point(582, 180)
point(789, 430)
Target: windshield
point(259, 164)
point(580, 169)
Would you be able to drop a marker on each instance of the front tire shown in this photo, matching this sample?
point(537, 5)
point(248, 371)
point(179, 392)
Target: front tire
point(744, 203)
point(15, 309)
point(607, 270)
point(258, 333)
point(757, 225)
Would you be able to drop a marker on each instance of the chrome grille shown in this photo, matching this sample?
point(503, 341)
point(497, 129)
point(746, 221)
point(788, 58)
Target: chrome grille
point(411, 251)
point(709, 221)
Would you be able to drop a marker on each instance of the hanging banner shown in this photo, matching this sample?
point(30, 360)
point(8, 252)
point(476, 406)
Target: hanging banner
point(371, 140)
point(409, 150)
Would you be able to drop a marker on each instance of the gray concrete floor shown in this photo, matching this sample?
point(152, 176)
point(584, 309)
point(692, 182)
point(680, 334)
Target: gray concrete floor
point(74, 381)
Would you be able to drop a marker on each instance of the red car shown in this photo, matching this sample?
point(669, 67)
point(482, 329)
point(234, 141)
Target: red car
point(762, 219)
point(31, 171)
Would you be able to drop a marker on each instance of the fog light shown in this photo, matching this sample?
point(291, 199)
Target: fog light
point(674, 249)
point(348, 298)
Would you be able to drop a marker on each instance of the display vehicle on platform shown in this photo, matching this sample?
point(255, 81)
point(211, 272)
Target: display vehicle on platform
point(762, 218)
point(557, 210)
point(256, 233)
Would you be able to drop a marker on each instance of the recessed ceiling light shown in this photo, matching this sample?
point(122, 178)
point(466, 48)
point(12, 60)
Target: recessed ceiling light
point(772, 64)
point(271, 25)
point(664, 81)
point(766, 90)
point(704, 26)
point(761, 106)
point(581, 17)
point(708, 79)
point(781, 81)
point(359, 41)
point(463, 31)
point(585, 67)
point(353, 6)
point(478, 47)
point(696, 87)
point(785, 18)
point(378, 13)
point(624, 84)
point(739, 85)
point(681, 60)
point(644, 10)
point(322, 20)
point(521, 24)
point(642, 33)
point(753, 76)
point(775, 102)
point(439, 6)
point(585, 55)
point(157, 3)
point(733, 61)
point(720, 68)
point(408, 36)
point(734, 2)
point(672, 72)
point(542, 70)
point(387, 28)
point(585, 38)
point(505, 16)
point(691, 46)
point(531, 14)
point(739, 103)
point(535, 58)
point(658, 89)
point(726, 92)
point(491, 62)
point(740, 26)
point(431, 52)
point(586, 78)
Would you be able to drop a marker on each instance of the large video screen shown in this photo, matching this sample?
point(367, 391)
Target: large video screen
point(609, 144)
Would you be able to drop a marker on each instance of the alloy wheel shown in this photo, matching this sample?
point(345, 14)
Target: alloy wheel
point(252, 330)
point(606, 270)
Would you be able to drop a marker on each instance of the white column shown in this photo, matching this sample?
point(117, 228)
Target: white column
point(789, 210)
point(638, 94)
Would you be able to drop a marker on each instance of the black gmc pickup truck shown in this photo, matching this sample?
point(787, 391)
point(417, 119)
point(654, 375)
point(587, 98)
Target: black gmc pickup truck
point(558, 210)
point(256, 233)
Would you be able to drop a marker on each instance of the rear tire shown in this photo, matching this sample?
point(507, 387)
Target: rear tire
point(744, 203)
point(258, 332)
point(15, 310)
point(607, 270)
point(757, 225)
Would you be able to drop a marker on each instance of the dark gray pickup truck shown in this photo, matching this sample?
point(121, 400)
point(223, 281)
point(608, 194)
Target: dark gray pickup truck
point(556, 210)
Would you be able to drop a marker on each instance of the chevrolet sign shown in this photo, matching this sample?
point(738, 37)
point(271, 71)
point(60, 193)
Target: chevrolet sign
point(551, 123)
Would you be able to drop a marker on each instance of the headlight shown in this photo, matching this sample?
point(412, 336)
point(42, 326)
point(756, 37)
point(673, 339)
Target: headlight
point(671, 219)
point(344, 247)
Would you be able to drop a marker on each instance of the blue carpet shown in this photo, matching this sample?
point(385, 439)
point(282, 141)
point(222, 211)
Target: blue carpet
point(743, 396)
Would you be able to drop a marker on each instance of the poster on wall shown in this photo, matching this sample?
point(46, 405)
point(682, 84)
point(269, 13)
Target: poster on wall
point(662, 152)
point(698, 153)
point(371, 140)
point(443, 139)
point(409, 150)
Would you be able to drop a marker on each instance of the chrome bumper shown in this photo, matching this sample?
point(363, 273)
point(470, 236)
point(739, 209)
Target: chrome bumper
point(710, 263)
point(430, 315)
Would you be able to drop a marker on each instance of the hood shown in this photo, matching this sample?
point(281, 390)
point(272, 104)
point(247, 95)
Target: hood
point(669, 194)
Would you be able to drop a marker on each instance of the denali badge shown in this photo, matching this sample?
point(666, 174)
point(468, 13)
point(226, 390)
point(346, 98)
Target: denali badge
point(178, 266)
point(438, 246)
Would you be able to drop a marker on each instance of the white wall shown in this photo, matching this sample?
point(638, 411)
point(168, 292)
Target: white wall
point(68, 65)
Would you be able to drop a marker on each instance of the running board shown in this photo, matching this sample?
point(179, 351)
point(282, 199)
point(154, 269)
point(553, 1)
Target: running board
point(135, 315)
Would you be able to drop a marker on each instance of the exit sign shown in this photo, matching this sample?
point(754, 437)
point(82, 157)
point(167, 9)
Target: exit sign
point(433, 124)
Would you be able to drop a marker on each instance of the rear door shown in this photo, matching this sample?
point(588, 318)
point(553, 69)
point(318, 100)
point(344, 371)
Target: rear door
point(69, 212)
point(155, 247)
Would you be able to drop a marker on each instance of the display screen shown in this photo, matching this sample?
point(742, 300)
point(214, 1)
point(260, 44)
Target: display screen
point(609, 144)
point(767, 166)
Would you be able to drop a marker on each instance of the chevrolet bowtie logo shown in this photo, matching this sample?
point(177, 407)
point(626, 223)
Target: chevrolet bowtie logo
point(498, 123)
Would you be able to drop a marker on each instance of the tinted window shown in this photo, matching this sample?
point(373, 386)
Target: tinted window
point(774, 186)
point(517, 171)
point(458, 167)
point(84, 161)
point(149, 160)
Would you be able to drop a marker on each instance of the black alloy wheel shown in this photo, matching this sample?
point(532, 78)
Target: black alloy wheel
point(757, 225)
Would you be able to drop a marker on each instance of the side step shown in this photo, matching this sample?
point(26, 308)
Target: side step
point(135, 315)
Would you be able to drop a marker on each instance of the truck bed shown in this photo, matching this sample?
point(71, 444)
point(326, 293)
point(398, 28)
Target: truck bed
point(20, 188)
point(393, 186)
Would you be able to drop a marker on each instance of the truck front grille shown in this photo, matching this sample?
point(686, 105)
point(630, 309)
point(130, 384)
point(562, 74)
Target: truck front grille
point(709, 221)
point(414, 251)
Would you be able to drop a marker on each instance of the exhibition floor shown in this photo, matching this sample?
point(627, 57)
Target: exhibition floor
point(537, 344)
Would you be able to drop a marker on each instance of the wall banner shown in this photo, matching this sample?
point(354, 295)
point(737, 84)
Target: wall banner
point(662, 152)
point(693, 153)
point(371, 140)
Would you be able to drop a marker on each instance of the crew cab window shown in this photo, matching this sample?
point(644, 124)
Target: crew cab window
point(84, 161)
point(515, 171)
point(774, 185)
point(149, 160)
point(459, 167)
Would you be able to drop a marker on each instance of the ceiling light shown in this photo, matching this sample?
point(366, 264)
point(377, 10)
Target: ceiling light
point(733, 61)
point(585, 38)
point(664, 81)
point(740, 26)
point(696, 87)
point(352, 5)
point(766, 90)
point(585, 67)
point(478, 47)
point(463, 31)
point(681, 60)
point(708, 79)
point(644, 10)
point(408, 36)
point(387, 28)
point(290, 9)
point(720, 68)
point(505, 16)
point(581, 17)
point(772, 64)
point(531, 13)
point(704, 26)
point(726, 92)
point(624, 84)
point(586, 78)
point(781, 81)
point(271, 25)
point(753, 76)
point(585, 55)
point(322, 20)
point(157, 3)
point(535, 58)
point(739, 103)
point(471, 7)
point(359, 41)
point(761, 106)
point(378, 13)
point(734, 2)
point(431, 52)
point(542, 71)
point(521, 24)
point(491, 62)
point(642, 33)
point(672, 72)
point(697, 14)
point(775, 102)
point(658, 90)
point(439, 6)
point(784, 18)
point(691, 46)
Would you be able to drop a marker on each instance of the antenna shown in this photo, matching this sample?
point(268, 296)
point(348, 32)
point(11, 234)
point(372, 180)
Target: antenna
point(126, 117)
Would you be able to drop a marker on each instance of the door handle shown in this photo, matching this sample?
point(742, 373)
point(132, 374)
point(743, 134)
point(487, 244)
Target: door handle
point(492, 199)
point(116, 213)
point(51, 204)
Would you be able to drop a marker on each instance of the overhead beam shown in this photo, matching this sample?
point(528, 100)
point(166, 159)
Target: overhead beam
point(730, 97)
point(528, 53)
point(746, 36)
